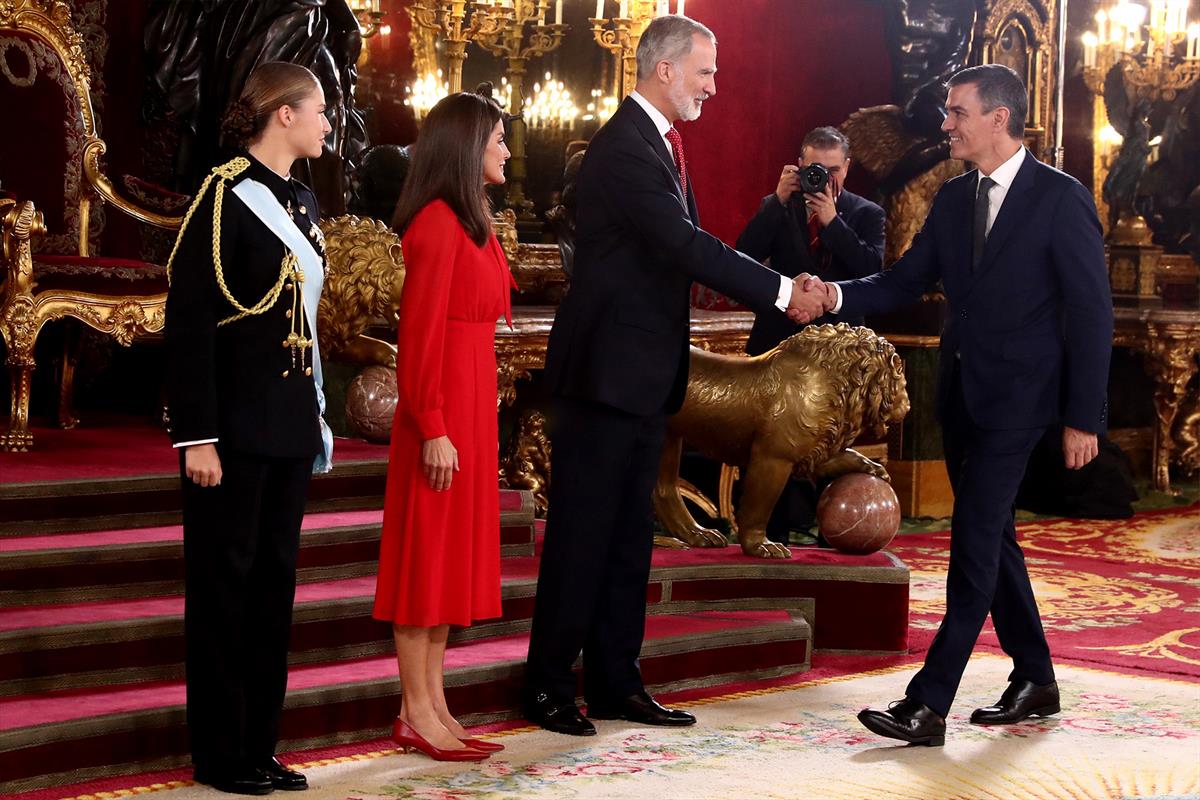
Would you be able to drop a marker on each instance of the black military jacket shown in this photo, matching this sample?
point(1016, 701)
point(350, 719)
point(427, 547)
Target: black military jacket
point(238, 382)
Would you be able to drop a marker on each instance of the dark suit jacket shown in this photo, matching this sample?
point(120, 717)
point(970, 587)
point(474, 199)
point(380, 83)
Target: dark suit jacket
point(621, 334)
point(227, 382)
point(1032, 327)
point(851, 247)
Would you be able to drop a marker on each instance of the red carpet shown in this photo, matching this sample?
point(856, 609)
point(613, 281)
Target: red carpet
point(1114, 594)
point(88, 452)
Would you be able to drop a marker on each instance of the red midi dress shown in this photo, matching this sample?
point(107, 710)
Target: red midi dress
point(439, 555)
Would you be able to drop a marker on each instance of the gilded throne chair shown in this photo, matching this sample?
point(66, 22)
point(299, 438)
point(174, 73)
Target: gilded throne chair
point(54, 194)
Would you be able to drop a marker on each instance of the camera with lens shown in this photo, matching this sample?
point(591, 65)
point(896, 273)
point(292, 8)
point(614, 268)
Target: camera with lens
point(813, 179)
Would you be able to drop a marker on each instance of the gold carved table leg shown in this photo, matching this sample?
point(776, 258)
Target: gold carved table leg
point(1171, 362)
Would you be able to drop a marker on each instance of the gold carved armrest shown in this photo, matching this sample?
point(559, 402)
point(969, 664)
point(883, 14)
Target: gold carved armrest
point(92, 150)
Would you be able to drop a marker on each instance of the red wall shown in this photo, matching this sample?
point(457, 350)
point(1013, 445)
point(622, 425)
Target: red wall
point(783, 68)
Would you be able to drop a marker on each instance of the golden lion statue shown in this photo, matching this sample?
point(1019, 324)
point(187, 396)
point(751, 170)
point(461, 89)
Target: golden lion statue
point(366, 276)
point(793, 410)
point(526, 464)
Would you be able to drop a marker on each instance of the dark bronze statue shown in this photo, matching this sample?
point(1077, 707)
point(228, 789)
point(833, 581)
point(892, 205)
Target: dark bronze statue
point(929, 41)
point(200, 53)
point(1169, 193)
point(901, 144)
point(376, 184)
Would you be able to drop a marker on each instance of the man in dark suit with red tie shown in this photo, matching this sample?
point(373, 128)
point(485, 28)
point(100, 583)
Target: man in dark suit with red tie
point(617, 364)
point(1026, 345)
point(835, 235)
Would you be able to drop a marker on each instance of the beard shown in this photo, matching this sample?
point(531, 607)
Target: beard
point(684, 103)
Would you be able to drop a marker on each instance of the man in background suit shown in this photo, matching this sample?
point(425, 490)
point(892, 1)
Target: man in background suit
point(835, 235)
point(1018, 248)
point(617, 363)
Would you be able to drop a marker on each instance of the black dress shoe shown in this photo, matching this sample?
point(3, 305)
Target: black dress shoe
point(1021, 700)
point(558, 716)
point(283, 778)
point(643, 708)
point(908, 721)
point(235, 781)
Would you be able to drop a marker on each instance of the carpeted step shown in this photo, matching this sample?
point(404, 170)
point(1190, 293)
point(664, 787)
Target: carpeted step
point(66, 646)
point(141, 562)
point(108, 503)
point(73, 736)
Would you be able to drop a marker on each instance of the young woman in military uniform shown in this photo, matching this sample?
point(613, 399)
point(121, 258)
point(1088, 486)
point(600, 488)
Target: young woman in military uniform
point(245, 407)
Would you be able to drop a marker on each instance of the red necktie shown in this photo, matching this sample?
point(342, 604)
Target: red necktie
point(680, 159)
point(814, 234)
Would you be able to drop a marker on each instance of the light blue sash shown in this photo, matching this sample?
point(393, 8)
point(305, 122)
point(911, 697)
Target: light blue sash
point(259, 199)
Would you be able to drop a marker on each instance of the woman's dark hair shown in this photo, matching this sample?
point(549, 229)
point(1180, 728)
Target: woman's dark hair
point(271, 85)
point(447, 163)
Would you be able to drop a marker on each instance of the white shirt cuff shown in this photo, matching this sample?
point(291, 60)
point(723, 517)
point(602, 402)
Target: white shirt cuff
point(198, 441)
point(785, 293)
point(837, 304)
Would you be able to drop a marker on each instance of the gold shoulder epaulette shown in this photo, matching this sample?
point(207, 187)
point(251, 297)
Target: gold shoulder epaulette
point(226, 172)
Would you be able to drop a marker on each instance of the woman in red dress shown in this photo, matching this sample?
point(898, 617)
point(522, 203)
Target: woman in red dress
point(439, 560)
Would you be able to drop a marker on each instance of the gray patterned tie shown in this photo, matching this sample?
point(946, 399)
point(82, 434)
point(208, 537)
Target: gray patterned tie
point(981, 217)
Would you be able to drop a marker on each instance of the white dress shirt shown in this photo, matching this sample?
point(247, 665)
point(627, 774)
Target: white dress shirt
point(1003, 175)
point(662, 124)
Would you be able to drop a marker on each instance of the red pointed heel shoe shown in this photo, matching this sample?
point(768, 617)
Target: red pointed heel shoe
point(409, 740)
point(482, 746)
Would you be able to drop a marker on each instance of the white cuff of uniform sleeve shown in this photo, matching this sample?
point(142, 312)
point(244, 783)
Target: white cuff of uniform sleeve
point(785, 293)
point(198, 441)
point(837, 304)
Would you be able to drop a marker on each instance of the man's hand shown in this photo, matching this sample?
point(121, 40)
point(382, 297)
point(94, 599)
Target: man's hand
point(440, 461)
point(810, 299)
point(789, 183)
point(1079, 447)
point(202, 464)
point(823, 205)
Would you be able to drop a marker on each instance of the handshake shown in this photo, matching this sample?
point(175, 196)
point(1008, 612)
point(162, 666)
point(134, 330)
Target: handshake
point(811, 297)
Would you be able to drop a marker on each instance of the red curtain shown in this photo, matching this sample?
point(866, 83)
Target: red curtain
point(784, 67)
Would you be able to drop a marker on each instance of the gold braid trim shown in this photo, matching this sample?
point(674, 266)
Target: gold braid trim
point(227, 172)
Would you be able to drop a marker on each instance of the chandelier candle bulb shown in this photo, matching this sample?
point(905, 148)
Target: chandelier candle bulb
point(599, 9)
point(679, 8)
point(1193, 41)
point(623, 13)
point(1101, 20)
point(558, 12)
point(1089, 49)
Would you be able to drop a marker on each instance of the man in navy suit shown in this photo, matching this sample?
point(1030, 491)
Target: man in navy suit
point(617, 364)
point(1018, 248)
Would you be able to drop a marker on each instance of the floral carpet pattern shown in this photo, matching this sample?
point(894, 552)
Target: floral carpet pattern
point(1118, 736)
point(1112, 593)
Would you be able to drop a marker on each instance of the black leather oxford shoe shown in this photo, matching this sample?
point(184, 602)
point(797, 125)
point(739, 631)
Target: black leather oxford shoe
point(642, 708)
point(558, 716)
point(1021, 700)
point(235, 781)
point(908, 721)
point(283, 778)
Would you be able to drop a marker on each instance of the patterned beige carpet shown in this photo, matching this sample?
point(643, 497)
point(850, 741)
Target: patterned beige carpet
point(1119, 737)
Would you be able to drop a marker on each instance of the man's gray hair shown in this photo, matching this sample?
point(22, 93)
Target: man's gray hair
point(998, 86)
point(667, 38)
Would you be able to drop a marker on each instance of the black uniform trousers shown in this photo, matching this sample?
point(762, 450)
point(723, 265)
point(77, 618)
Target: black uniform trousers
point(591, 593)
point(240, 542)
point(987, 568)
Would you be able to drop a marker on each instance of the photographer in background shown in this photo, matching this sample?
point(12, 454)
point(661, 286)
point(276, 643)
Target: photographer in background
point(826, 232)
point(811, 224)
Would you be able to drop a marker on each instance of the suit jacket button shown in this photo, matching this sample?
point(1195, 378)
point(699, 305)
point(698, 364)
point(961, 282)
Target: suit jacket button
point(963, 313)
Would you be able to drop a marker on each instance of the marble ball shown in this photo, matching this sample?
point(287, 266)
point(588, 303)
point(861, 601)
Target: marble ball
point(371, 403)
point(858, 513)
